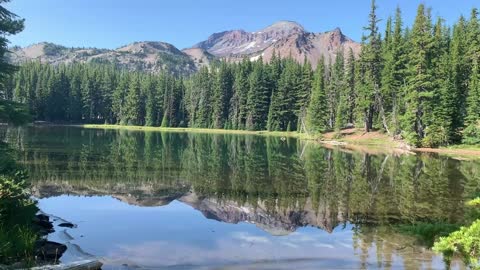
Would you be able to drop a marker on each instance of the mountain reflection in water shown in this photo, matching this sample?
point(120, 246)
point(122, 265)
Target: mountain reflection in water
point(151, 199)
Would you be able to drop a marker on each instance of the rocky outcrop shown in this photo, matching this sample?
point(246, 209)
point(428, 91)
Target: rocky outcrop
point(285, 38)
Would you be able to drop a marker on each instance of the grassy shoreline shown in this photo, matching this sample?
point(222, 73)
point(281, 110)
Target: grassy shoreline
point(291, 134)
point(374, 142)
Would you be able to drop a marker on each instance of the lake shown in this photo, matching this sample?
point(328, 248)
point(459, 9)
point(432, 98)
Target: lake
point(213, 201)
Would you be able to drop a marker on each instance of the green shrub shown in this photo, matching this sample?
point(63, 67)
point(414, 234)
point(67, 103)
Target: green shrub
point(465, 243)
point(471, 134)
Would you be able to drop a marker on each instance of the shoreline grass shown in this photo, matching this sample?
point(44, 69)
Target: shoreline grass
point(289, 134)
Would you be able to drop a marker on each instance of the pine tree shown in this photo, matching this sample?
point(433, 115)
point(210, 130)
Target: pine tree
point(223, 94)
point(317, 111)
point(75, 103)
point(460, 74)
point(119, 99)
point(87, 98)
point(282, 109)
point(151, 106)
point(419, 91)
point(472, 131)
point(304, 94)
point(133, 103)
point(238, 109)
point(443, 93)
point(202, 96)
point(258, 100)
point(337, 93)
point(371, 65)
point(350, 72)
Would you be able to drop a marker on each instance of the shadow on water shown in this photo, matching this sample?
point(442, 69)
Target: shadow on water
point(281, 188)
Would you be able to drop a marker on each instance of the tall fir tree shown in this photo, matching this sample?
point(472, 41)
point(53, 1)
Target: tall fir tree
point(317, 111)
point(368, 97)
point(419, 92)
point(258, 100)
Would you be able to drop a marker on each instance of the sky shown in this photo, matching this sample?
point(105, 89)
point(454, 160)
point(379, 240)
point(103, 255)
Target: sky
point(183, 23)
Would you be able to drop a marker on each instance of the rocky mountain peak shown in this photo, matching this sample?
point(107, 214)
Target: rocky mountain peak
point(286, 38)
point(285, 26)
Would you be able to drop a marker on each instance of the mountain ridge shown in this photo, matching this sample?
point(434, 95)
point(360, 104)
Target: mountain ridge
point(286, 38)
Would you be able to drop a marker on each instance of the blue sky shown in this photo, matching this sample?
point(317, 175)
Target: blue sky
point(112, 23)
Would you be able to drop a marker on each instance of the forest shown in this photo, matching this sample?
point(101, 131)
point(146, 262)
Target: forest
point(421, 84)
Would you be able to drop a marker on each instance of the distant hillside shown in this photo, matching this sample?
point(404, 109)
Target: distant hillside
point(139, 56)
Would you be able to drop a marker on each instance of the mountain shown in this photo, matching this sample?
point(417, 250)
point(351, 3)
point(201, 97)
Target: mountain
point(285, 38)
point(139, 56)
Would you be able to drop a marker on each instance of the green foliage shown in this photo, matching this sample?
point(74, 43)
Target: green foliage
point(474, 202)
point(17, 236)
point(13, 112)
point(471, 134)
point(464, 242)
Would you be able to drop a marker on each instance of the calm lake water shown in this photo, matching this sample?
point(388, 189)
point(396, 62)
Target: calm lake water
point(201, 201)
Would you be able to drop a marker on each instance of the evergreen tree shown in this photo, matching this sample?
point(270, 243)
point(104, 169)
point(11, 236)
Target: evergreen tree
point(350, 73)
point(282, 109)
point(304, 94)
point(419, 91)
point(258, 100)
point(223, 94)
point(317, 111)
point(238, 103)
point(133, 103)
point(151, 106)
point(371, 66)
point(472, 131)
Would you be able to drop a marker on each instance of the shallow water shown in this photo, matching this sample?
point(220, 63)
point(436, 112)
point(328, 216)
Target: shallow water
point(200, 201)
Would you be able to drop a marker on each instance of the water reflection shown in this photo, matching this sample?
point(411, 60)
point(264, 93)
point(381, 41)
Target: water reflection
point(286, 188)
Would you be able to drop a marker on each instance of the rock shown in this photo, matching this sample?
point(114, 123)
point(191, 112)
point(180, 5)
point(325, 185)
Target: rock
point(43, 217)
point(43, 223)
point(66, 225)
point(49, 251)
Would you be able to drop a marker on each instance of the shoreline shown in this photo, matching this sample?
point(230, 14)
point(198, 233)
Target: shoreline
point(352, 139)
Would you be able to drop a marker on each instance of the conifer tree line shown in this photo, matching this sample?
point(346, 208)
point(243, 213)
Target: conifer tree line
point(419, 83)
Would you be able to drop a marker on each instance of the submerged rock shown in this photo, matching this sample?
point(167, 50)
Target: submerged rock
point(66, 225)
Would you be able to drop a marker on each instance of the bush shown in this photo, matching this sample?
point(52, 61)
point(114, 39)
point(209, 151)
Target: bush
point(17, 234)
point(464, 242)
point(435, 137)
point(471, 134)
